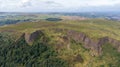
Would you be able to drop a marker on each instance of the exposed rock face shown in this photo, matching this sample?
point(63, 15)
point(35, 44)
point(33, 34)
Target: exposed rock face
point(78, 58)
point(21, 37)
point(81, 37)
point(30, 38)
point(21, 42)
point(115, 43)
point(63, 42)
point(92, 44)
point(112, 41)
point(34, 36)
point(76, 35)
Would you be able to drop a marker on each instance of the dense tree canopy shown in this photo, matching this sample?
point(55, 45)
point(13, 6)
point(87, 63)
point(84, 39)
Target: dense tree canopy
point(20, 54)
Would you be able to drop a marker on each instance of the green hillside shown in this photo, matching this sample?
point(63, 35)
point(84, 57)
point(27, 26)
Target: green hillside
point(58, 44)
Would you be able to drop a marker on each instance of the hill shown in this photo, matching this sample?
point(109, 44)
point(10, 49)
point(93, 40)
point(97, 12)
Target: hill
point(64, 43)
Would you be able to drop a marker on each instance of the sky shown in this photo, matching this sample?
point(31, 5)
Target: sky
point(59, 5)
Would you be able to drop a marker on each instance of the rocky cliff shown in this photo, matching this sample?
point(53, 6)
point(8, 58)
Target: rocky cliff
point(95, 45)
point(89, 43)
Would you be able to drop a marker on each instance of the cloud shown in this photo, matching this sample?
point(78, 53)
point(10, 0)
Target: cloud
point(26, 3)
point(56, 5)
point(52, 4)
point(8, 4)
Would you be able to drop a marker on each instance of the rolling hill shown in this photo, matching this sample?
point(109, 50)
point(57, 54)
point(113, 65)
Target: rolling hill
point(63, 43)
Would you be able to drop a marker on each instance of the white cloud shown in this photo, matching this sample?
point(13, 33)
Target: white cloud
point(24, 1)
point(40, 5)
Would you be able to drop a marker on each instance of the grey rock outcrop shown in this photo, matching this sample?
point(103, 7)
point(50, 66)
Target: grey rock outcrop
point(93, 44)
point(33, 36)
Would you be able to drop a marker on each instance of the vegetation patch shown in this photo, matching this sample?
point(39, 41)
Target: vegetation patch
point(53, 19)
point(20, 54)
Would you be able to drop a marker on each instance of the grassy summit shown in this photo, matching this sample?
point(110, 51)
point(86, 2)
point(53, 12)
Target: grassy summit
point(95, 28)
